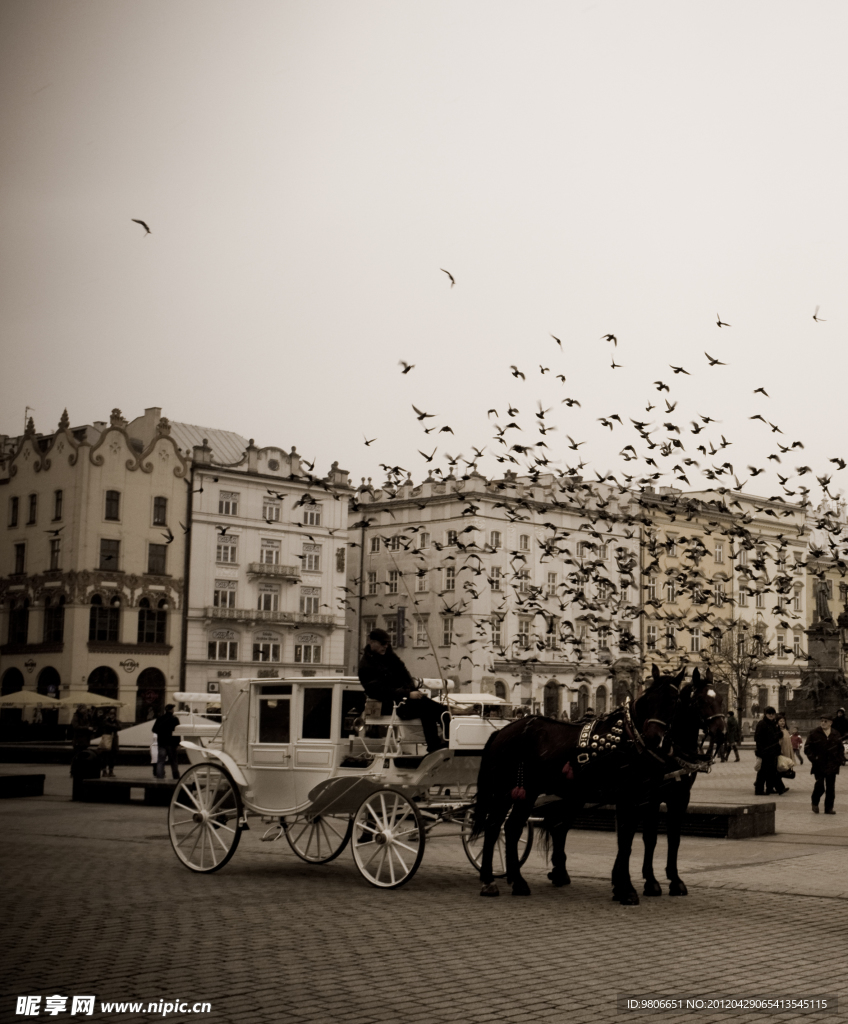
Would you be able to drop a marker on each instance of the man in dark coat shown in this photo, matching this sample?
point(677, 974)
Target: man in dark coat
point(164, 727)
point(767, 742)
point(732, 737)
point(827, 755)
point(384, 677)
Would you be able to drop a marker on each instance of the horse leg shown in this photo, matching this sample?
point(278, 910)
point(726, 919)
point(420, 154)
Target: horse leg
point(676, 809)
point(559, 832)
point(491, 835)
point(512, 833)
point(622, 887)
point(650, 828)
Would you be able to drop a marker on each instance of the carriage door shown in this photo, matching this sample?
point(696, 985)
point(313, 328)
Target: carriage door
point(271, 748)
point(314, 753)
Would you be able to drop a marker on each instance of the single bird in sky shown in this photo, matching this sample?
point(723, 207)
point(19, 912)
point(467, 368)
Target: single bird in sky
point(761, 391)
point(147, 229)
point(423, 415)
point(557, 340)
point(450, 275)
point(367, 442)
point(610, 337)
point(714, 362)
point(720, 322)
point(614, 365)
point(406, 366)
point(517, 373)
point(817, 318)
point(679, 369)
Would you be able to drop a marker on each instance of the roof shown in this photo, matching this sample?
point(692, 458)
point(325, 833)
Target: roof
point(226, 445)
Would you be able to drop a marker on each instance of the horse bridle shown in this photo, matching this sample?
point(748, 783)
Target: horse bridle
point(636, 736)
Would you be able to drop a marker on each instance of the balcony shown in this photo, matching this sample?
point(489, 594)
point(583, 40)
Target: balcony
point(291, 573)
point(262, 615)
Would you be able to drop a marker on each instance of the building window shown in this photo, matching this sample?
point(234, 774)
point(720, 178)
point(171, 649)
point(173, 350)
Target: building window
point(312, 516)
point(310, 600)
point(57, 505)
point(421, 639)
point(742, 556)
point(671, 547)
point(451, 538)
point(604, 591)
point(33, 509)
point(495, 540)
point(424, 541)
point(524, 581)
point(781, 646)
point(670, 592)
point(375, 545)
point(54, 621)
point(223, 650)
point(269, 598)
point(152, 622)
point(651, 588)
point(55, 550)
point(266, 652)
point(743, 597)
point(104, 621)
point(394, 543)
point(340, 559)
point(109, 553)
point(224, 595)
point(19, 622)
point(495, 578)
point(670, 642)
point(651, 638)
point(271, 511)
point(603, 552)
point(392, 582)
point(695, 640)
point(421, 580)
point(796, 601)
point(551, 635)
point(156, 558)
point(551, 587)
point(20, 559)
point(269, 552)
point(447, 630)
point(160, 511)
point(760, 601)
point(719, 552)
point(796, 645)
point(228, 503)
point(524, 542)
point(497, 632)
point(113, 506)
point(603, 638)
point(392, 630)
point(718, 594)
point(523, 636)
point(226, 550)
point(14, 506)
point(307, 654)
point(312, 557)
point(372, 585)
point(450, 578)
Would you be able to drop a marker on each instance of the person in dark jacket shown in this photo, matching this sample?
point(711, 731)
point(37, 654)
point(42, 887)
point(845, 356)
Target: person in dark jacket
point(384, 677)
point(732, 737)
point(827, 755)
point(840, 723)
point(767, 743)
point(164, 727)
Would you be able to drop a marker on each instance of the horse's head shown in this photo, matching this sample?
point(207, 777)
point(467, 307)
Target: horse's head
point(652, 712)
point(700, 708)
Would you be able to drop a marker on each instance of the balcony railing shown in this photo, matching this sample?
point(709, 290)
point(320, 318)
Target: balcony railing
point(286, 572)
point(263, 615)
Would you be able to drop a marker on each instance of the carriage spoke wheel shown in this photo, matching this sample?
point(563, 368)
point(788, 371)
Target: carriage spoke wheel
point(388, 839)
point(204, 816)
point(474, 847)
point(320, 838)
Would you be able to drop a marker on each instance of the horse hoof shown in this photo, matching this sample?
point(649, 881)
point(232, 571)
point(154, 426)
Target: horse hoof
point(678, 889)
point(627, 899)
point(520, 888)
point(490, 890)
point(559, 877)
point(652, 888)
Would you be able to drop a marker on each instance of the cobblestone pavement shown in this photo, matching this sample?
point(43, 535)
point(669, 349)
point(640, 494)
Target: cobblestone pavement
point(95, 902)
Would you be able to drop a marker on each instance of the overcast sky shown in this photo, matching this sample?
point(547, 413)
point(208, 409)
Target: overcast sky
point(307, 168)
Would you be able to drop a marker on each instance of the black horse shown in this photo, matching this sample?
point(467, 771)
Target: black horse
point(618, 758)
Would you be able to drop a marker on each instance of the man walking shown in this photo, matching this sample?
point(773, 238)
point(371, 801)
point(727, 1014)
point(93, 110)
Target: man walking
point(767, 742)
point(164, 727)
point(732, 737)
point(826, 753)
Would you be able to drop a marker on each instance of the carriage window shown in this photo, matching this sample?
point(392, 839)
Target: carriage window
point(274, 714)
point(317, 709)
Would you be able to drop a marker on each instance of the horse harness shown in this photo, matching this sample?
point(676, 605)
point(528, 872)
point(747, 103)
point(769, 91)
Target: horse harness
point(591, 745)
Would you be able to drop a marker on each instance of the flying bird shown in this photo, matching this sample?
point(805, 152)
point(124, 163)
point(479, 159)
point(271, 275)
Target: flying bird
point(557, 340)
point(367, 442)
point(169, 535)
point(614, 365)
point(147, 229)
point(715, 362)
point(517, 373)
point(55, 533)
point(661, 386)
point(817, 318)
point(406, 366)
point(423, 415)
point(720, 322)
point(429, 458)
point(610, 337)
point(679, 369)
point(450, 275)
point(761, 391)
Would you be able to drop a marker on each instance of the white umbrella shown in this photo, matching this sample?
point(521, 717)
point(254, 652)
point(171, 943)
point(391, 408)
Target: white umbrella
point(28, 699)
point(76, 698)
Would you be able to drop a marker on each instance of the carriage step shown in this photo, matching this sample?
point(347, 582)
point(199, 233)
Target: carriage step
point(153, 793)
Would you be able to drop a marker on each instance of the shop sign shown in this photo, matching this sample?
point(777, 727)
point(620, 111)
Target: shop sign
point(129, 665)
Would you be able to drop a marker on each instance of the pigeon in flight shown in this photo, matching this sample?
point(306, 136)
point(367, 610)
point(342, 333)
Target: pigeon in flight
point(147, 229)
point(450, 275)
point(720, 322)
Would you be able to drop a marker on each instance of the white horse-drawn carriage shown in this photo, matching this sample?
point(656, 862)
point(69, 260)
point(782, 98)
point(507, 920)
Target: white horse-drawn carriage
point(309, 758)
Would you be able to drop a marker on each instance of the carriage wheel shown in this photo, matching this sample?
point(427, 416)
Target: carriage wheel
point(204, 817)
point(474, 847)
point(319, 839)
point(388, 839)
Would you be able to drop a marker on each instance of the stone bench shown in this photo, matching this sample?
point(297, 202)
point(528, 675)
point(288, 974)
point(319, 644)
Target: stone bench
point(716, 821)
point(152, 792)
point(21, 785)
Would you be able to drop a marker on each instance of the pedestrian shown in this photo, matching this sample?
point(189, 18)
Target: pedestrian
point(767, 744)
point(109, 743)
point(840, 722)
point(732, 737)
point(81, 729)
point(384, 677)
point(164, 727)
point(786, 759)
point(796, 740)
point(827, 755)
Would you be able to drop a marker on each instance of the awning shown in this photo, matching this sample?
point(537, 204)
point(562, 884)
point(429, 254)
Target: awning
point(28, 699)
point(74, 698)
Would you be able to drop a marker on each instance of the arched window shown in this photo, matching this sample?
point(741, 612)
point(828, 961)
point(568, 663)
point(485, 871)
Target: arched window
point(501, 690)
point(601, 700)
point(19, 621)
point(103, 621)
point(551, 700)
point(104, 682)
point(152, 623)
point(54, 620)
point(582, 700)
